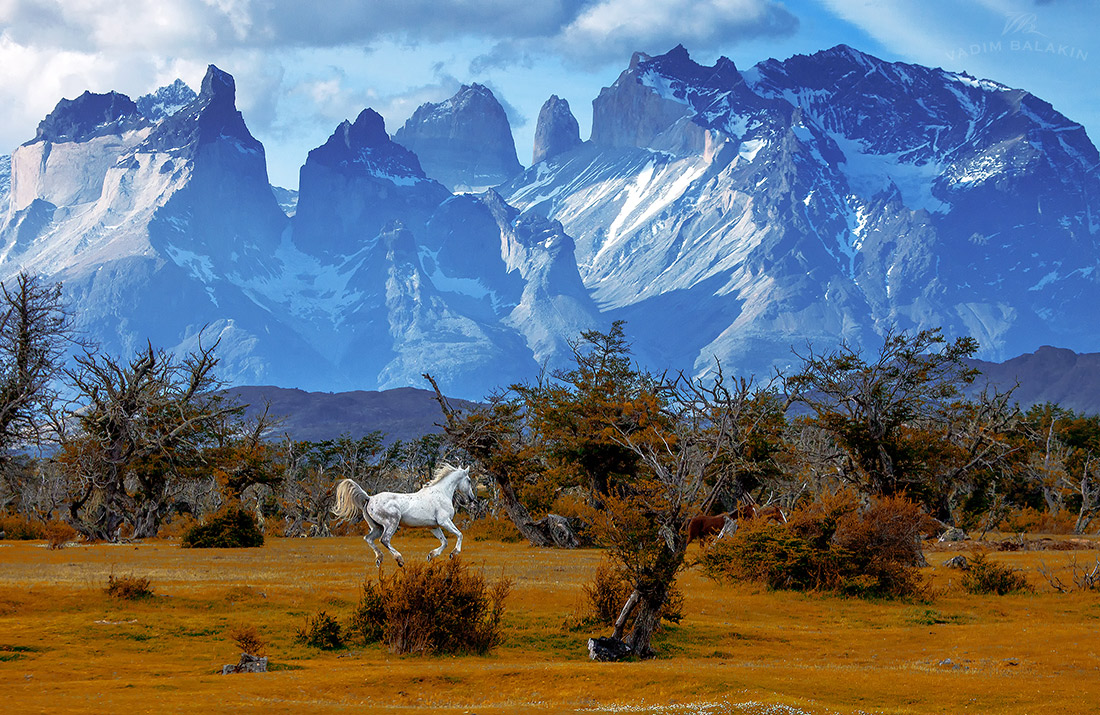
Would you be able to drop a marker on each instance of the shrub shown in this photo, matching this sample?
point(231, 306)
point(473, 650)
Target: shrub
point(58, 533)
point(22, 528)
point(1033, 521)
point(607, 593)
point(831, 545)
point(249, 640)
point(176, 526)
point(320, 631)
point(440, 607)
point(985, 576)
point(130, 587)
point(491, 528)
point(231, 528)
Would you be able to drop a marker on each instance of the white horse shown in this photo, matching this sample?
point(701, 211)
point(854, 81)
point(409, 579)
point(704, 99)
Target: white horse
point(431, 507)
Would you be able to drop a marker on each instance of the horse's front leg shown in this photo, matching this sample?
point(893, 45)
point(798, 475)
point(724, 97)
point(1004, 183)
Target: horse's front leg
point(442, 543)
point(450, 526)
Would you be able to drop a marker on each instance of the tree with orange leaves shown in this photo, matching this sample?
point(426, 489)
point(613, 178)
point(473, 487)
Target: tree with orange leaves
point(651, 452)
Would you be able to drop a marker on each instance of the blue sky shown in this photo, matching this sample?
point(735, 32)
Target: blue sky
point(302, 67)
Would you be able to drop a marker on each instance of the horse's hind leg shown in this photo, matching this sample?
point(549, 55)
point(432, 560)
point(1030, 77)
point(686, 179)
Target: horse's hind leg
point(449, 526)
point(372, 537)
point(442, 543)
point(387, 533)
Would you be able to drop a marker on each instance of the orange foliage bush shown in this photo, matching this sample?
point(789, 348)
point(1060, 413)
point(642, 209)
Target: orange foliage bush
point(491, 528)
point(607, 592)
point(248, 639)
point(830, 545)
point(130, 587)
point(22, 528)
point(440, 607)
point(1033, 521)
point(58, 533)
point(176, 526)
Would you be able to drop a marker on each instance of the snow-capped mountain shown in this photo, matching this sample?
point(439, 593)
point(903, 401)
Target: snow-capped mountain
point(826, 197)
point(164, 227)
point(166, 101)
point(356, 183)
point(148, 224)
point(722, 213)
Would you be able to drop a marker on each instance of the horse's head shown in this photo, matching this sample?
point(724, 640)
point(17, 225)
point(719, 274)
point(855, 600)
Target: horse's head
point(466, 486)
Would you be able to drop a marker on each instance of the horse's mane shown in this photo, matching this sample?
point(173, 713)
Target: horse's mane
point(440, 472)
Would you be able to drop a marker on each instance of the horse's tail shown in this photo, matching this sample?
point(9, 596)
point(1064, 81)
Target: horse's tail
point(350, 500)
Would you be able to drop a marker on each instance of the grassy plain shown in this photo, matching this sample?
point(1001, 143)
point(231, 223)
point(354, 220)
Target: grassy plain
point(66, 646)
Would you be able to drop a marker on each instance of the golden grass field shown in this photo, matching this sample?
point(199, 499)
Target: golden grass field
point(66, 646)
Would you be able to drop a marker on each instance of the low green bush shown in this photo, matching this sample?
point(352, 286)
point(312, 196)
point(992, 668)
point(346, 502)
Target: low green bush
point(321, 631)
point(985, 576)
point(231, 528)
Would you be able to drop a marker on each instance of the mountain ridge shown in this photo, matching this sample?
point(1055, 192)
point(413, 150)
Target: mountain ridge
point(724, 213)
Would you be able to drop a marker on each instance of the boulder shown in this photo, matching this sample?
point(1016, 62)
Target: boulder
point(607, 649)
point(957, 562)
point(247, 664)
point(954, 534)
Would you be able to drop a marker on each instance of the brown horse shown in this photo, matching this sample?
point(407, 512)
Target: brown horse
point(702, 526)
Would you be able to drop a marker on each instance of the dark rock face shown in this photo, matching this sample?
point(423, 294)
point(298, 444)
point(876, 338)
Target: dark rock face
point(465, 142)
point(557, 130)
point(224, 207)
point(210, 117)
point(88, 116)
point(356, 183)
point(629, 114)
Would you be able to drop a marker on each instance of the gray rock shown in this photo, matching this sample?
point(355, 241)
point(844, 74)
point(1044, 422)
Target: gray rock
point(954, 534)
point(957, 562)
point(557, 130)
point(607, 649)
point(247, 664)
point(465, 142)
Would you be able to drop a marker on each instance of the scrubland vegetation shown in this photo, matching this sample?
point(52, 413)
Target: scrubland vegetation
point(589, 477)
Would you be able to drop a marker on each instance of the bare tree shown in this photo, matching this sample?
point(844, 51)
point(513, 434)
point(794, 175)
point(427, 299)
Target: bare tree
point(313, 469)
point(35, 333)
point(496, 436)
point(141, 430)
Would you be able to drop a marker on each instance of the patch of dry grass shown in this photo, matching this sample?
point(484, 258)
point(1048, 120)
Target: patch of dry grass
point(66, 646)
